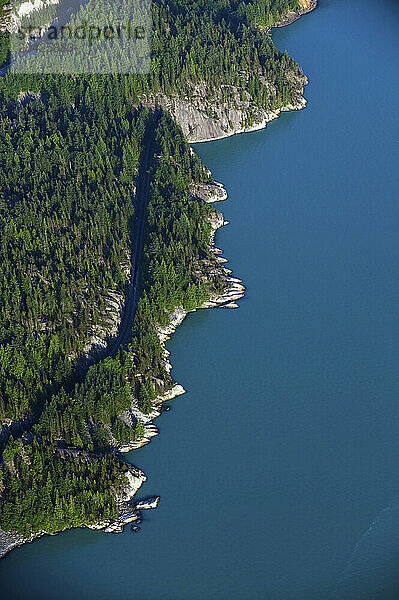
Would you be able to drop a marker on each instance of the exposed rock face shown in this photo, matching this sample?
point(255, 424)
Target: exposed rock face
point(147, 503)
point(176, 318)
point(20, 10)
point(198, 127)
point(203, 118)
point(135, 479)
point(134, 414)
point(101, 333)
point(305, 7)
point(24, 9)
point(206, 116)
point(306, 4)
point(10, 540)
point(209, 192)
point(25, 98)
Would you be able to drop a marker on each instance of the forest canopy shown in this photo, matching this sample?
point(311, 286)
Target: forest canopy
point(74, 151)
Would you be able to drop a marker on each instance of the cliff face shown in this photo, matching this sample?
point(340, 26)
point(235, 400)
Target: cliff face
point(306, 4)
point(14, 18)
point(231, 111)
point(198, 126)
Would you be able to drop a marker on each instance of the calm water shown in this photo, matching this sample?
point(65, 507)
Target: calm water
point(278, 471)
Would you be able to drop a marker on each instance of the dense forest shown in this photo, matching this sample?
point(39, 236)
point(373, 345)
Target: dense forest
point(46, 490)
point(69, 166)
point(72, 150)
point(179, 269)
point(221, 44)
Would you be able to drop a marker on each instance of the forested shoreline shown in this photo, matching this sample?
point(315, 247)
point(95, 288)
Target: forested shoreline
point(72, 148)
point(86, 415)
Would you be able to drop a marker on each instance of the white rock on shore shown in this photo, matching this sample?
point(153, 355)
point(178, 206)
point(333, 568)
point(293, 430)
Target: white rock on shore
point(135, 481)
point(147, 503)
point(209, 192)
point(192, 116)
point(234, 291)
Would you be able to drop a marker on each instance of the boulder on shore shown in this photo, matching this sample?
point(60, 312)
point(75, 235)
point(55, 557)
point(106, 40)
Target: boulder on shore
point(147, 503)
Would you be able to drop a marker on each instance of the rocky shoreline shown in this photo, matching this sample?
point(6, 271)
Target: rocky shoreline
point(135, 478)
point(209, 193)
point(238, 115)
point(198, 127)
point(306, 7)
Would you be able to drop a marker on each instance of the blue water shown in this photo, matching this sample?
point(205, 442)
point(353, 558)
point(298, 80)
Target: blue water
point(278, 470)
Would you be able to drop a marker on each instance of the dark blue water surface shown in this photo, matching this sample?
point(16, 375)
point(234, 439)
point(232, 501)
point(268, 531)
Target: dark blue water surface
point(278, 471)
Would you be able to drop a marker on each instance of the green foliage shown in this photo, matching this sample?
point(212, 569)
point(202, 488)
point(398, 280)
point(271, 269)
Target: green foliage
point(102, 396)
point(4, 48)
point(70, 149)
point(176, 244)
point(265, 12)
point(146, 396)
point(54, 489)
point(122, 432)
point(81, 419)
point(139, 430)
point(219, 43)
point(69, 161)
point(12, 449)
